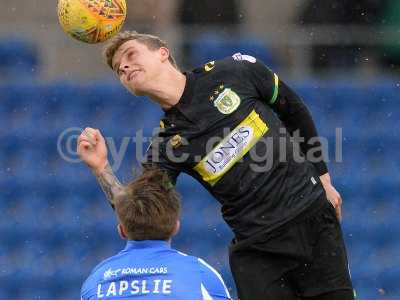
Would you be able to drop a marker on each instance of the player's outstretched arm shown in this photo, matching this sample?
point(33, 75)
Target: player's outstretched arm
point(295, 115)
point(92, 150)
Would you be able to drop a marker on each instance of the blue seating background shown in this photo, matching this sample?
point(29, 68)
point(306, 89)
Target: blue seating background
point(55, 224)
point(19, 59)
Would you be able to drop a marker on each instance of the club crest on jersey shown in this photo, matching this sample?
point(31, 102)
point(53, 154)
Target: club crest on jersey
point(227, 102)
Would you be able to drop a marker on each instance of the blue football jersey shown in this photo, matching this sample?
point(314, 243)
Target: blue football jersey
point(152, 270)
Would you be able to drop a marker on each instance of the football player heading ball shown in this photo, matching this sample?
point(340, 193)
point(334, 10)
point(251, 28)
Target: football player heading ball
point(284, 212)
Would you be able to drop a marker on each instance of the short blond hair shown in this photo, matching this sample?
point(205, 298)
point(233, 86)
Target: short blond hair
point(151, 41)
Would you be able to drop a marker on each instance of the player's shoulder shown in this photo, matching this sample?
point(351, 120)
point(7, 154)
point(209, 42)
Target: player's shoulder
point(212, 283)
point(100, 272)
point(207, 270)
point(195, 263)
point(208, 274)
point(234, 63)
point(184, 258)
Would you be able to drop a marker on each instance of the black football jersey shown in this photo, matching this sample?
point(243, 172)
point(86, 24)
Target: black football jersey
point(225, 132)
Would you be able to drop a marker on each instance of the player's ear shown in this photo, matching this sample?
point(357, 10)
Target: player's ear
point(164, 54)
point(121, 231)
point(177, 227)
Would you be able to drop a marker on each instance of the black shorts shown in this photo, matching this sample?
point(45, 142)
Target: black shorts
point(303, 259)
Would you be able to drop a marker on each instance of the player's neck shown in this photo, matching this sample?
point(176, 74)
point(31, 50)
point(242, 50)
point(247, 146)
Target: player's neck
point(168, 88)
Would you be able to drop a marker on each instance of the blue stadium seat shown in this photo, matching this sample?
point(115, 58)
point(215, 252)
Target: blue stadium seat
point(364, 290)
point(60, 108)
point(19, 110)
point(5, 294)
point(33, 293)
point(20, 59)
point(389, 282)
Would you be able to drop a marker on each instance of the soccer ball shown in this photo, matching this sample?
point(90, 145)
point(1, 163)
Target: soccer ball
point(91, 21)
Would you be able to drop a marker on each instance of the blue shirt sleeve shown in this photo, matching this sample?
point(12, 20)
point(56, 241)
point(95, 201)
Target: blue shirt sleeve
point(86, 291)
point(212, 284)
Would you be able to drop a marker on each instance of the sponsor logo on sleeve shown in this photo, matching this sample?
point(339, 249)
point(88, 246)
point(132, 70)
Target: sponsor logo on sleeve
point(239, 57)
point(231, 149)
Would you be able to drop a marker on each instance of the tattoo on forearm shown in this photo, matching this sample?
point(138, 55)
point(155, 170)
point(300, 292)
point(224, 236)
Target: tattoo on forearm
point(109, 183)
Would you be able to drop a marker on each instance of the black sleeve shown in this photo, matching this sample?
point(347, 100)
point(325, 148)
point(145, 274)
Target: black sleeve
point(155, 158)
point(290, 109)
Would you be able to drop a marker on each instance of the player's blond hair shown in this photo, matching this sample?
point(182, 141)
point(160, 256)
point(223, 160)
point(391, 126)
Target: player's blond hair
point(151, 41)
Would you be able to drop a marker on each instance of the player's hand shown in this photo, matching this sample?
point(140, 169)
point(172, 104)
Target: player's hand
point(332, 195)
point(92, 149)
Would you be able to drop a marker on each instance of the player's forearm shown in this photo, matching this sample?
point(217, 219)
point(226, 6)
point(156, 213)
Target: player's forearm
point(296, 117)
point(109, 183)
point(304, 123)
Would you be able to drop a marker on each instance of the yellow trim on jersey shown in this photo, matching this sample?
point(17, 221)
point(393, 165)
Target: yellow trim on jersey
point(276, 89)
point(231, 149)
